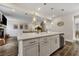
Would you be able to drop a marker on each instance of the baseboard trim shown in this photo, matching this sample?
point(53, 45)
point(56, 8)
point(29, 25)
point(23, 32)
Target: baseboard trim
point(69, 40)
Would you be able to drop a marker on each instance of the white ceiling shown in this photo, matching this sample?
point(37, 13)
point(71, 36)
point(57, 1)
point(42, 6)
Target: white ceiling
point(19, 9)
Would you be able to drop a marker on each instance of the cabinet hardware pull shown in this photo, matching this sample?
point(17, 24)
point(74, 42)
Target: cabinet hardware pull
point(45, 42)
point(33, 42)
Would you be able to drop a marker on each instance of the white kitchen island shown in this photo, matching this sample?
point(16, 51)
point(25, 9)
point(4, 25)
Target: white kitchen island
point(38, 44)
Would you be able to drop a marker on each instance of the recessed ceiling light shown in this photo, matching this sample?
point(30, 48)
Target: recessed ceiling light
point(45, 3)
point(25, 13)
point(39, 9)
point(52, 8)
point(62, 9)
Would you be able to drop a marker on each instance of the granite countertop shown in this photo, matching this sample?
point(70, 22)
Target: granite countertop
point(25, 36)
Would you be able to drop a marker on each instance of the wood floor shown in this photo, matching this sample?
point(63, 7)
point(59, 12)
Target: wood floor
point(70, 49)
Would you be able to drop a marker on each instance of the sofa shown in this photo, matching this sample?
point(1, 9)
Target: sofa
point(10, 48)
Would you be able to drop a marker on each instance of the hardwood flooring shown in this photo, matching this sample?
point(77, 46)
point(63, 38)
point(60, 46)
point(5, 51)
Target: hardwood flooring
point(70, 49)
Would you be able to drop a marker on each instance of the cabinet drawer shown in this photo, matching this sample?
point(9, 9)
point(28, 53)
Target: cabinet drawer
point(30, 42)
point(56, 36)
point(44, 41)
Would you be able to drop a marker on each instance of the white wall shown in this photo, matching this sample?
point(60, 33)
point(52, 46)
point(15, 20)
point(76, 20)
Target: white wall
point(69, 27)
point(11, 21)
point(10, 26)
point(54, 27)
point(57, 28)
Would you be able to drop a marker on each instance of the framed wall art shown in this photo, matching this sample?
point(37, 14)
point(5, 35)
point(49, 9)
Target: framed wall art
point(21, 26)
point(61, 23)
point(25, 26)
point(15, 26)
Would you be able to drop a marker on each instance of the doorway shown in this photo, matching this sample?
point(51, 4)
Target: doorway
point(76, 22)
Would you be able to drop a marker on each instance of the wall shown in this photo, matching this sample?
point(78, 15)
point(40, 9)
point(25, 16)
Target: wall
point(65, 28)
point(54, 27)
point(10, 26)
point(69, 27)
point(12, 20)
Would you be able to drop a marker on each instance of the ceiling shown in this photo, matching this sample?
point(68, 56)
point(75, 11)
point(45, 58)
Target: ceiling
point(24, 10)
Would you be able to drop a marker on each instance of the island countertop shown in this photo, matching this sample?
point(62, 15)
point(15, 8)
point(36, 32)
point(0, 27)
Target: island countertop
point(26, 36)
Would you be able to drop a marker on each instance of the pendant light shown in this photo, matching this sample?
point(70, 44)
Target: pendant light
point(34, 19)
point(52, 11)
point(62, 11)
point(45, 18)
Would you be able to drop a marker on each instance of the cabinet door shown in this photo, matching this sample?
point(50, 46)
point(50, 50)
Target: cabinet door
point(44, 51)
point(56, 45)
point(30, 47)
point(31, 51)
point(44, 47)
point(52, 44)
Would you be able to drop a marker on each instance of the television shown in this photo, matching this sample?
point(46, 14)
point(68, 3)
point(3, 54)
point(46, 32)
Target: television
point(4, 20)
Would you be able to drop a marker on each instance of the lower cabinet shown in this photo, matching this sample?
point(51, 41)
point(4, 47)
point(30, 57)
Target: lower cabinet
point(57, 42)
point(54, 43)
point(31, 50)
point(30, 47)
point(43, 46)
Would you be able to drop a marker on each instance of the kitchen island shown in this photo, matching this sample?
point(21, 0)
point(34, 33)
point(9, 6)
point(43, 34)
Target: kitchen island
point(38, 44)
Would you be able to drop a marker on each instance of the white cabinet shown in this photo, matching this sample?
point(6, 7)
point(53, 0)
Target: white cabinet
point(54, 43)
point(31, 50)
point(30, 47)
point(44, 47)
